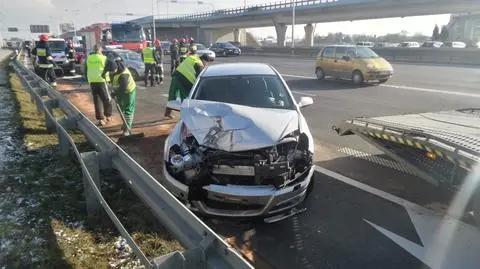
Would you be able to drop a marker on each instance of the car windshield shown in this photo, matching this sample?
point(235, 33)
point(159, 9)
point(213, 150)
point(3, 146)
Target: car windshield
point(59, 45)
point(130, 55)
point(200, 46)
point(363, 52)
point(265, 91)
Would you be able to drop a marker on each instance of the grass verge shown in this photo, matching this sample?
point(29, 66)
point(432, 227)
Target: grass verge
point(42, 208)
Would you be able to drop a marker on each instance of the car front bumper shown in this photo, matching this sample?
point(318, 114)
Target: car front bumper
point(378, 74)
point(242, 201)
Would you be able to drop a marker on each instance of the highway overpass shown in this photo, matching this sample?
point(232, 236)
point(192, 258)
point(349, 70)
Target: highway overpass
point(207, 26)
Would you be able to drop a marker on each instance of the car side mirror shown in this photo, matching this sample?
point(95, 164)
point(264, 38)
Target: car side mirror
point(346, 58)
point(305, 101)
point(174, 104)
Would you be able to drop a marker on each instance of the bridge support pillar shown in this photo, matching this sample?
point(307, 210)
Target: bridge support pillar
point(281, 29)
point(308, 35)
point(236, 35)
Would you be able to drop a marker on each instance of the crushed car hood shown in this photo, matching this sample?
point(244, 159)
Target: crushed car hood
point(232, 127)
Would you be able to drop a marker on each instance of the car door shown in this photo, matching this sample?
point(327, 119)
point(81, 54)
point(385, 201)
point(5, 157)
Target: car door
point(340, 65)
point(325, 60)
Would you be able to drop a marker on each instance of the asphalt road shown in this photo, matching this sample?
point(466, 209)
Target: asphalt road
point(348, 224)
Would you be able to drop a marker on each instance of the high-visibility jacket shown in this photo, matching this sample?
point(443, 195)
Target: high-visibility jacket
point(95, 66)
point(187, 67)
point(44, 55)
point(148, 56)
point(183, 49)
point(131, 83)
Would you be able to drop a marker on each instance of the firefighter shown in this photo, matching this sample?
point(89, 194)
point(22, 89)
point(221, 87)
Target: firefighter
point(184, 77)
point(98, 77)
point(183, 50)
point(158, 62)
point(148, 56)
point(174, 55)
point(70, 54)
point(45, 60)
point(124, 91)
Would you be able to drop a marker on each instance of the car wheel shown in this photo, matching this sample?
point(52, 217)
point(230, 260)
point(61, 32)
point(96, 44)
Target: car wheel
point(382, 80)
point(357, 77)
point(134, 73)
point(319, 73)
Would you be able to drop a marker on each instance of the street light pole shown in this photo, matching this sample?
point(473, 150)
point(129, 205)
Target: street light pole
point(293, 24)
point(153, 21)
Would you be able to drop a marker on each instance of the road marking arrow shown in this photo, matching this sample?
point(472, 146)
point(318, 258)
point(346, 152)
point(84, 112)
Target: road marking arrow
point(461, 250)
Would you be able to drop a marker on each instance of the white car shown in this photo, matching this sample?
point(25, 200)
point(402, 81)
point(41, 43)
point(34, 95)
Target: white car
point(241, 147)
point(201, 49)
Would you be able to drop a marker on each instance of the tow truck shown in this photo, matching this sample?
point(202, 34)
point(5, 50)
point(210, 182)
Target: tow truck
point(442, 148)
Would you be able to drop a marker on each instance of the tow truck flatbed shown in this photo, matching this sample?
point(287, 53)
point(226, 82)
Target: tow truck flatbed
point(441, 147)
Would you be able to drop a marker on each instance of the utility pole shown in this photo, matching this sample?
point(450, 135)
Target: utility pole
point(293, 24)
point(153, 21)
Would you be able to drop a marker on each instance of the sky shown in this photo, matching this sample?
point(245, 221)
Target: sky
point(22, 13)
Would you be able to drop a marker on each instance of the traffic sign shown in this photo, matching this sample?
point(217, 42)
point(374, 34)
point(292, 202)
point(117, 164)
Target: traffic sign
point(12, 29)
point(39, 28)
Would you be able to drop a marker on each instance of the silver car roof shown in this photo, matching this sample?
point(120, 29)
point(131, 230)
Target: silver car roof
point(232, 69)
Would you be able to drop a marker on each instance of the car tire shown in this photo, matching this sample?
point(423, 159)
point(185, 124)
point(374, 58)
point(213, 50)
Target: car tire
point(319, 73)
point(357, 77)
point(382, 80)
point(134, 73)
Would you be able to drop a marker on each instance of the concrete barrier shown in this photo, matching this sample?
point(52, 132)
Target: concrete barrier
point(468, 56)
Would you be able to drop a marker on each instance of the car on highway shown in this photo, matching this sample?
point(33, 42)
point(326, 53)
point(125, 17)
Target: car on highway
point(367, 44)
point(360, 64)
point(410, 44)
point(432, 44)
point(227, 157)
point(225, 49)
point(133, 61)
point(165, 47)
point(58, 46)
point(454, 44)
point(202, 49)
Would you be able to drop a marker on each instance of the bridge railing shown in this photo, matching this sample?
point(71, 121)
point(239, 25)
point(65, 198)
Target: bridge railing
point(246, 10)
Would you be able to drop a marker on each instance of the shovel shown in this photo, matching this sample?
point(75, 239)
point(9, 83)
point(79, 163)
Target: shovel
point(126, 138)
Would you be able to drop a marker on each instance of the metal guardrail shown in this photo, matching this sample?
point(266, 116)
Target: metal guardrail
point(468, 56)
point(205, 249)
point(248, 10)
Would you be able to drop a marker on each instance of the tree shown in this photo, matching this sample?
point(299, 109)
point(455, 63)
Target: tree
point(436, 33)
point(444, 33)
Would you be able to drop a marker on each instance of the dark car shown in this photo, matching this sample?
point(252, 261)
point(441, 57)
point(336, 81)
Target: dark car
point(235, 43)
point(166, 47)
point(225, 49)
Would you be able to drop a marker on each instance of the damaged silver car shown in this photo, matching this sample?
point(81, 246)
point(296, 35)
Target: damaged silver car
point(241, 148)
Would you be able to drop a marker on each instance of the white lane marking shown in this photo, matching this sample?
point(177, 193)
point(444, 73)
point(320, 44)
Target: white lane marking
point(297, 76)
point(404, 87)
point(475, 95)
point(377, 160)
point(364, 187)
point(437, 250)
point(165, 94)
point(304, 93)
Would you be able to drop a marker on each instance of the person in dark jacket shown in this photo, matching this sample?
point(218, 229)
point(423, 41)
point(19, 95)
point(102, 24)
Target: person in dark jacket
point(45, 60)
point(158, 62)
point(70, 54)
point(183, 49)
point(174, 55)
point(184, 77)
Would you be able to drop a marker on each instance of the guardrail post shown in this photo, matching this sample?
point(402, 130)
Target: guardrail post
point(91, 163)
point(49, 123)
point(63, 141)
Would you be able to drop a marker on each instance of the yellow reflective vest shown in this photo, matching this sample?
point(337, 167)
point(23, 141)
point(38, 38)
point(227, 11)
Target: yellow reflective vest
point(131, 83)
point(148, 55)
point(41, 52)
point(95, 66)
point(187, 67)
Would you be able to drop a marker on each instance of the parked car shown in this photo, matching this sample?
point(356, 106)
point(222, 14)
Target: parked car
point(365, 44)
point(235, 43)
point(166, 47)
point(226, 157)
point(384, 45)
point(359, 64)
point(201, 49)
point(133, 61)
point(410, 44)
point(225, 49)
point(432, 44)
point(454, 44)
point(58, 46)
